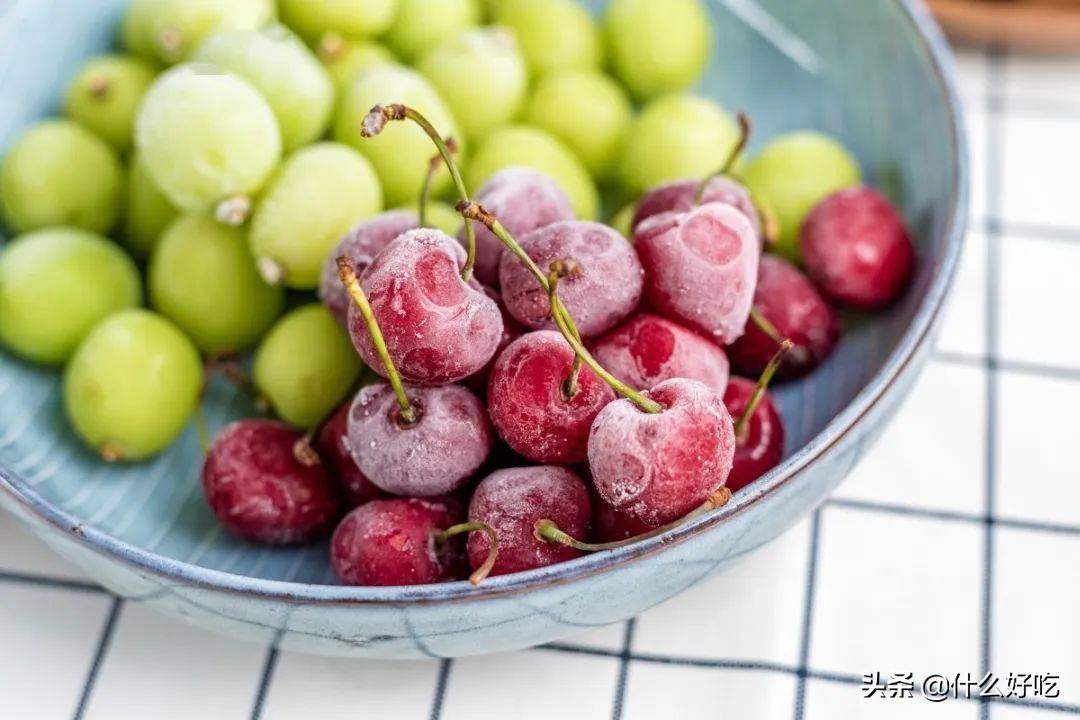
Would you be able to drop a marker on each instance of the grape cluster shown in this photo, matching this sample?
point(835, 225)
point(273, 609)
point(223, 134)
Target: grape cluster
point(391, 207)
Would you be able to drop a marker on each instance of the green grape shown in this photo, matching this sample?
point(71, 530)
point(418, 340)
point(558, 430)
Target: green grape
point(208, 138)
point(132, 385)
point(345, 59)
point(482, 77)
point(532, 147)
point(792, 174)
point(60, 173)
point(106, 94)
point(658, 47)
point(203, 278)
point(676, 137)
point(319, 194)
point(423, 24)
point(305, 366)
point(401, 153)
point(147, 212)
point(278, 65)
point(440, 215)
point(350, 18)
point(55, 285)
point(588, 111)
point(554, 34)
point(623, 219)
point(168, 30)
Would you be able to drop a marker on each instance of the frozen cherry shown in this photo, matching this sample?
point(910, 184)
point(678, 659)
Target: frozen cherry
point(648, 349)
point(612, 525)
point(512, 330)
point(432, 453)
point(786, 305)
point(438, 329)
point(512, 501)
point(532, 406)
point(524, 200)
point(759, 430)
point(399, 542)
point(700, 267)
point(857, 249)
point(658, 466)
point(335, 452)
point(682, 196)
point(360, 246)
point(260, 491)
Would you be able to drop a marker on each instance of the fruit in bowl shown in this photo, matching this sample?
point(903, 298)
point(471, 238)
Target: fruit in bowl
point(548, 407)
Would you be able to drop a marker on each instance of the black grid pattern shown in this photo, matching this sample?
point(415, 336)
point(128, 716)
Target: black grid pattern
point(802, 672)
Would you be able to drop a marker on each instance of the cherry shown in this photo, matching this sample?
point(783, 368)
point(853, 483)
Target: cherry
point(759, 430)
point(530, 403)
point(437, 328)
point(857, 249)
point(260, 491)
point(700, 267)
point(432, 453)
point(604, 288)
point(512, 501)
point(786, 306)
point(657, 467)
point(335, 451)
point(360, 246)
point(648, 349)
point(524, 199)
point(399, 542)
point(512, 330)
point(682, 196)
point(612, 526)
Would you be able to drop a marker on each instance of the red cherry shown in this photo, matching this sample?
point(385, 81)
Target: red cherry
point(360, 246)
point(259, 491)
point(395, 542)
point(759, 447)
point(334, 449)
point(681, 196)
point(524, 200)
point(438, 329)
point(512, 501)
point(512, 330)
point(528, 403)
point(700, 268)
point(434, 455)
point(657, 467)
point(791, 303)
point(614, 526)
point(857, 249)
point(604, 288)
point(648, 349)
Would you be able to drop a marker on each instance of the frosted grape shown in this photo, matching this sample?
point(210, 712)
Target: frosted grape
point(105, 95)
point(345, 59)
point(147, 212)
point(423, 24)
point(554, 34)
point(168, 30)
point(350, 18)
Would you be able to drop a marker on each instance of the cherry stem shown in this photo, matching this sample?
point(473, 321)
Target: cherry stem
point(760, 388)
point(725, 169)
point(547, 531)
point(425, 188)
point(561, 269)
point(765, 325)
point(374, 123)
point(352, 286)
point(565, 323)
point(493, 552)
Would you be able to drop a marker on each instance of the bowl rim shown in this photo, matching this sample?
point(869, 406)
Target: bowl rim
point(916, 335)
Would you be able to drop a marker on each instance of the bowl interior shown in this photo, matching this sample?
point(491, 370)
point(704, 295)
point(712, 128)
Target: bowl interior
point(856, 69)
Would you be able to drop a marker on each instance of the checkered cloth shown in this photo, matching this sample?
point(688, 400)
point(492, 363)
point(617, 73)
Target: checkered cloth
point(951, 550)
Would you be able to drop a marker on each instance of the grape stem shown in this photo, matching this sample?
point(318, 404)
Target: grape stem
point(493, 540)
point(408, 413)
point(233, 211)
point(425, 188)
point(759, 390)
point(725, 169)
point(547, 531)
point(375, 122)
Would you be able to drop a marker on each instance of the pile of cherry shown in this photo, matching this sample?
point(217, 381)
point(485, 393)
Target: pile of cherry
point(610, 414)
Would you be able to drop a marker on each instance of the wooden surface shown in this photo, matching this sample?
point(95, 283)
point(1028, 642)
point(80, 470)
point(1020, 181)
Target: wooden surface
point(1051, 26)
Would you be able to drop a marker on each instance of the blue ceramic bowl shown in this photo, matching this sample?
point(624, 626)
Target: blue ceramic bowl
point(876, 74)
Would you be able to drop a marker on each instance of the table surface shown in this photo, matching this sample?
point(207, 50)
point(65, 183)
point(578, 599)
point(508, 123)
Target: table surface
point(951, 549)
